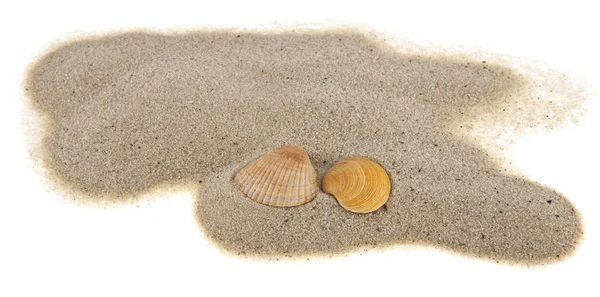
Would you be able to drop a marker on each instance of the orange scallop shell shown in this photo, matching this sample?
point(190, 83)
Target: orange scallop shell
point(283, 177)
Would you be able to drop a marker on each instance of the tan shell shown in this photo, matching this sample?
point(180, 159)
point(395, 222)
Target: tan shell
point(283, 177)
point(359, 184)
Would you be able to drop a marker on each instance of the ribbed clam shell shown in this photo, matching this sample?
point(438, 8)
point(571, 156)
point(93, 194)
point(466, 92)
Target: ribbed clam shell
point(283, 177)
point(359, 184)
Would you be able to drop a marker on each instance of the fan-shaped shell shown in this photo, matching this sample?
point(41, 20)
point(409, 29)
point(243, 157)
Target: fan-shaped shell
point(283, 177)
point(359, 184)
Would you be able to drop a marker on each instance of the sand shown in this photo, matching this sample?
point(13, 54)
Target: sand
point(127, 112)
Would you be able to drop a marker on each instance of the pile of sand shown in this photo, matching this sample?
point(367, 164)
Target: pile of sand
point(127, 112)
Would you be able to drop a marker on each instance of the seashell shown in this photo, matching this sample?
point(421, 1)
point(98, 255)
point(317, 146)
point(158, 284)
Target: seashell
point(359, 184)
point(283, 177)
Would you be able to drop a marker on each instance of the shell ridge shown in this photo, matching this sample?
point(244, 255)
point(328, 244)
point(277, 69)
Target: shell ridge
point(293, 177)
point(299, 181)
point(282, 186)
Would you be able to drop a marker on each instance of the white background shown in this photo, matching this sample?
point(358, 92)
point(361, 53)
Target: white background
point(49, 246)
